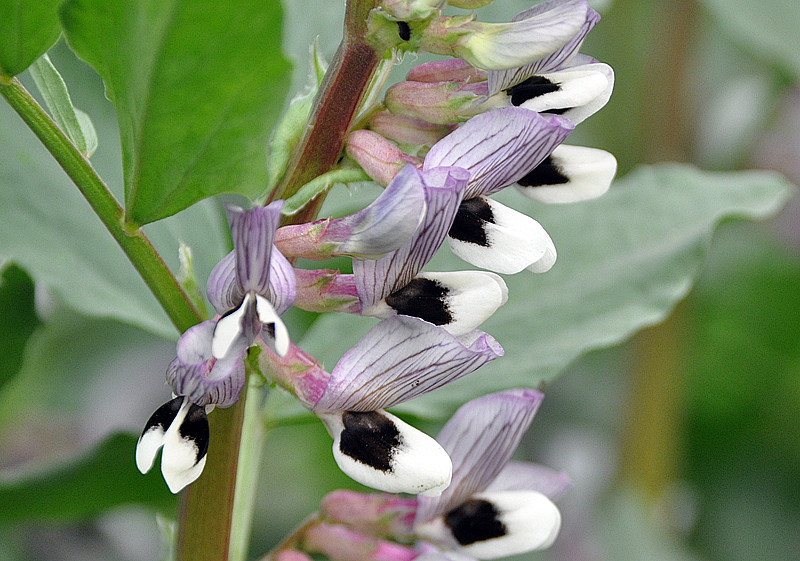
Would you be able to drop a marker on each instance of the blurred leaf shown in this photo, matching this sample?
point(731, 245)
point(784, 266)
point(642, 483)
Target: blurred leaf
point(50, 230)
point(27, 29)
point(197, 85)
point(769, 28)
point(76, 124)
point(101, 478)
point(625, 259)
point(18, 319)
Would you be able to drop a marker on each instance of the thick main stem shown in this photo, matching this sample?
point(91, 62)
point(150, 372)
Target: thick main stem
point(136, 245)
point(334, 109)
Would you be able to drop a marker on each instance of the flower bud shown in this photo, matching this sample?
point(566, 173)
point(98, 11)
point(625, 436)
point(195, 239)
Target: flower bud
point(324, 290)
point(376, 514)
point(340, 543)
point(447, 70)
point(436, 102)
point(408, 131)
point(381, 159)
point(410, 10)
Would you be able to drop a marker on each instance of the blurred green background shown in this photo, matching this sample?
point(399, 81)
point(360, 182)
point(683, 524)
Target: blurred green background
point(684, 442)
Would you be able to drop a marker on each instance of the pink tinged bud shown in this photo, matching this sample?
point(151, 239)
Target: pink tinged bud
point(468, 4)
point(436, 102)
point(325, 290)
point(305, 240)
point(297, 372)
point(291, 555)
point(376, 514)
point(447, 70)
point(407, 130)
point(340, 543)
point(377, 156)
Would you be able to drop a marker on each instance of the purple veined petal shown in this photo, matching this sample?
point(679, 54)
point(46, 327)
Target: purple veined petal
point(480, 438)
point(253, 232)
point(376, 279)
point(579, 91)
point(196, 374)
point(570, 174)
point(537, 34)
point(457, 301)
point(519, 476)
point(224, 292)
point(495, 525)
point(381, 451)
point(386, 224)
point(502, 79)
point(399, 359)
point(491, 235)
point(282, 282)
point(499, 147)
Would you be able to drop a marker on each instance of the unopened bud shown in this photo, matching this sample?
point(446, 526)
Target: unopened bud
point(410, 10)
point(377, 514)
point(408, 131)
point(381, 159)
point(436, 102)
point(449, 69)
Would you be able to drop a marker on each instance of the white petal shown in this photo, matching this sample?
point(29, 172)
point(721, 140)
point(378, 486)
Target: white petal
point(228, 329)
point(380, 451)
point(147, 448)
point(532, 522)
point(472, 297)
point(582, 173)
point(508, 243)
point(267, 316)
point(582, 91)
point(546, 261)
point(494, 525)
point(182, 460)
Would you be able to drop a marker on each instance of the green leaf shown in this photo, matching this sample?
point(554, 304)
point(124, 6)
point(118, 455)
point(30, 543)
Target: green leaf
point(18, 319)
point(768, 28)
point(624, 260)
point(76, 124)
point(49, 229)
point(196, 85)
point(102, 478)
point(27, 29)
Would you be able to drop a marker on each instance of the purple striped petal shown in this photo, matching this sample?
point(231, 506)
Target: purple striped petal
point(499, 147)
point(480, 438)
point(223, 291)
point(199, 376)
point(375, 279)
point(282, 283)
point(502, 79)
point(540, 32)
point(253, 232)
point(528, 476)
point(399, 359)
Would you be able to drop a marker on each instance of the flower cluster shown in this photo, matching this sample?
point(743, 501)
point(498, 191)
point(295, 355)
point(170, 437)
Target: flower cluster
point(493, 507)
point(442, 143)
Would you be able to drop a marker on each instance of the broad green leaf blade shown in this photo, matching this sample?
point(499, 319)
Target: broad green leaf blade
point(18, 319)
point(27, 29)
point(624, 260)
point(77, 127)
point(196, 85)
point(98, 480)
point(49, 229)
point(769, 28)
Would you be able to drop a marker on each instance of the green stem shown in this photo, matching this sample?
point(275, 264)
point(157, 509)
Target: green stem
point(135, 244)
point(251, 448)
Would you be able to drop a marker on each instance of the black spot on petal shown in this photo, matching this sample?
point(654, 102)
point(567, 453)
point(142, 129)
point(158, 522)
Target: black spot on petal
point(534, 86)
point(469, 222)
point(546, 173)
point(474, 521)
point(422, 298)
point(369, 438)
point(164, 415)
point(403, 30)
point(195, 428)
